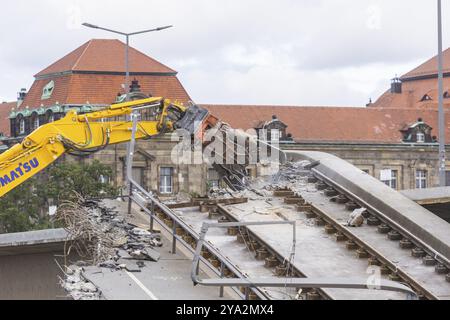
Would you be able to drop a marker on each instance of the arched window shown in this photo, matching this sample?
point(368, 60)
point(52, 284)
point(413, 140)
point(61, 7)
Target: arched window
point(35, 121)
point(21, 125)
point(50, 116)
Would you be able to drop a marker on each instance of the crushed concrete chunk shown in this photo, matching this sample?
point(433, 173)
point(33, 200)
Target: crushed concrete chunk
point(141, 232)
point(88, 287)
point(146, 254)
point(78, 287)
point(111, 264)
point(356, 218)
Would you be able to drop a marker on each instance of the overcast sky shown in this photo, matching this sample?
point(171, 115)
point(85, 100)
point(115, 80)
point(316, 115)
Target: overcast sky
point(284, 52)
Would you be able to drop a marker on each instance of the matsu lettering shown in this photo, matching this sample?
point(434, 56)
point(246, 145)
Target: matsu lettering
point(20, 171)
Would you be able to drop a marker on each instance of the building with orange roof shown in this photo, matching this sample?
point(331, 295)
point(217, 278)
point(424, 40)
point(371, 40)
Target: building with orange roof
point(94, 74)
point(91, 76)
point(418, 89)
point(399, 141)
point(394, 136)
point(5, 110)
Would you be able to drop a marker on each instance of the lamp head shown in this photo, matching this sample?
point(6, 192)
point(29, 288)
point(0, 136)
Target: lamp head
point(90, 25)
point(163, 28)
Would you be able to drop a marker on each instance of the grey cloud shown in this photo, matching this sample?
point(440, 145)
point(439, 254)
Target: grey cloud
point(233, 51)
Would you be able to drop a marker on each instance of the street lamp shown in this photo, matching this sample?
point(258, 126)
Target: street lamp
point(127, 35)
point(442, 156)
point(127, 86)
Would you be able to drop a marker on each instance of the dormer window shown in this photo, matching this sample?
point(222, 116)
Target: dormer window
point(272, 131)
point(426, 98)
point(48, 90)
point(418, 132)
point(420, 137)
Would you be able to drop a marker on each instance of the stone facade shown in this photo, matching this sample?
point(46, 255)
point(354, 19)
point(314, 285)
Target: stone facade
point(392, 139)
point(149, 159)
point(406, 160)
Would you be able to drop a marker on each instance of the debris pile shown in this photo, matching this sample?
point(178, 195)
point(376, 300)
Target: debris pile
point(97, 230)
point(292, 172)
point(291, 175)
point(78, 287)
point(102, 238)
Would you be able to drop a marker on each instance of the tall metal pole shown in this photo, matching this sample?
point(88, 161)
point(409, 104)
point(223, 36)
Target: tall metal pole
point(127, 69)
point(130, 157)
point(442, 156)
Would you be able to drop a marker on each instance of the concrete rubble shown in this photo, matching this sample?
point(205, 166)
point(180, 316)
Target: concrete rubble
point(78, 287)
point(115, 244)
point(103, 238)
point(356, 218)
point(291, 175)
point(119, 245)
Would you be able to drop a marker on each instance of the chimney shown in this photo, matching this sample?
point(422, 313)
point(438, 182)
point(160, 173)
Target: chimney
point(396, 85)
point(21, 96)
point(135, 87)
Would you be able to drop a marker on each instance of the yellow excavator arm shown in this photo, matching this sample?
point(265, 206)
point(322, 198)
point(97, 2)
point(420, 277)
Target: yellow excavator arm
point(88, 133)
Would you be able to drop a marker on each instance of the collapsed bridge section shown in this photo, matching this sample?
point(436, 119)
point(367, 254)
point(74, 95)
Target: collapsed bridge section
point(412, 219)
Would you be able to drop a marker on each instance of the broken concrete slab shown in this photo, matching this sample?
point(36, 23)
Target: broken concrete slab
point(145, 254)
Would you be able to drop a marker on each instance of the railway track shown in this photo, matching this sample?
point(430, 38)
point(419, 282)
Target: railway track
point(185, 235)
point(394, 234)
point(268, 256)
point(272, 258)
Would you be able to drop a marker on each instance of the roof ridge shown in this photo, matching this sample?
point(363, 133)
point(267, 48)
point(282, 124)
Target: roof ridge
point(69, 90)
point(82, 54)
point(147, 56)
point(421, 69)
point(65, 57)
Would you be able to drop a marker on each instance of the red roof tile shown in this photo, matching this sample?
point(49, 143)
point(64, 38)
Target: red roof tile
point(5, 110)
point(331, 124)
point(60, 92)
point(105, 56)
point(101, 89)
point(430, 67)
point(417, 83)
point(412, 94)
point(94, 73)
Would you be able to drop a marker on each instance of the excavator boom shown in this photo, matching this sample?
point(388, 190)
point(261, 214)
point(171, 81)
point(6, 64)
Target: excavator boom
point(88, 133)
point(84, 134)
